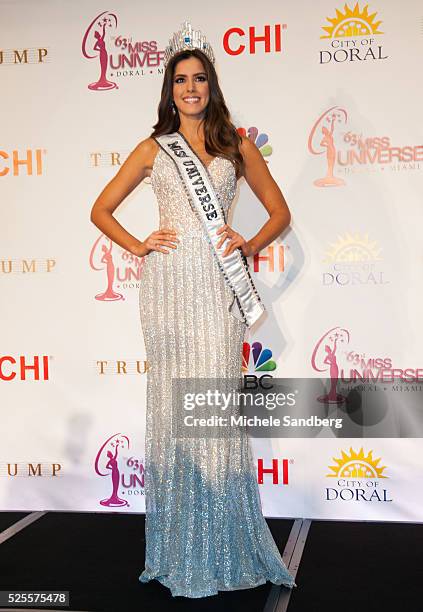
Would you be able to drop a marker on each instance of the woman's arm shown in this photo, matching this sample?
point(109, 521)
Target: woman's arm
point(263, 185)
point(134, 170)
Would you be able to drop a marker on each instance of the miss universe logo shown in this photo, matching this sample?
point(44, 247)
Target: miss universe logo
point(118, 55)
point(349, 150)
point(124, 472)
point(121, 269)
point(334, 354)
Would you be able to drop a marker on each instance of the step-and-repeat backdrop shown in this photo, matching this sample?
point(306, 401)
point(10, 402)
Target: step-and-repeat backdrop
point(331, 95)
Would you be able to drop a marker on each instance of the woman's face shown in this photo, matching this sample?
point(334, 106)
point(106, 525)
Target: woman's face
point(190, 87)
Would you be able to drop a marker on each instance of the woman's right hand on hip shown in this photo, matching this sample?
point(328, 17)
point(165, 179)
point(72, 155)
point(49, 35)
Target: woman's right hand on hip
point(158, 240)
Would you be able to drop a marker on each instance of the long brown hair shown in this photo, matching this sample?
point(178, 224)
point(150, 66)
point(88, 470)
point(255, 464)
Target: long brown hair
point(221, 137)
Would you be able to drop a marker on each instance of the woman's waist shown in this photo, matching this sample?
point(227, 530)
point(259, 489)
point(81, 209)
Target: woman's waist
point(185, 233)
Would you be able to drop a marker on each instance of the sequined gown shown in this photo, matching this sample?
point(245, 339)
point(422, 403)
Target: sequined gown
point(205, 531)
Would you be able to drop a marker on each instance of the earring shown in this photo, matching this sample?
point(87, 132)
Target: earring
point(173, 107)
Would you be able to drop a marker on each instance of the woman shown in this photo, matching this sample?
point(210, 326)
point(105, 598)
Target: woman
point(205, 530)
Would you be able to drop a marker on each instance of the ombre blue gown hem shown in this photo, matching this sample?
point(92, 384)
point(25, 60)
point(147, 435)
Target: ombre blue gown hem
point(207, 590)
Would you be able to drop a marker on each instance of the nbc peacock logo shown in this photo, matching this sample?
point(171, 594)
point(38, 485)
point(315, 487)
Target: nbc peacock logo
point(357, 475)
point(353, 36)
point(255, 358)
point(260, 139)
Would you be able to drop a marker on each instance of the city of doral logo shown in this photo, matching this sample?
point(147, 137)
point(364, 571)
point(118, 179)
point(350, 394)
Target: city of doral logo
point(257, 362)
point(353, 260)
point(353, 35)
point(358, 478)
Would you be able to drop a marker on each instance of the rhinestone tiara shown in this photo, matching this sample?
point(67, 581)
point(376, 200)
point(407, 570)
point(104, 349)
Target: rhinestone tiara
point(187, 38)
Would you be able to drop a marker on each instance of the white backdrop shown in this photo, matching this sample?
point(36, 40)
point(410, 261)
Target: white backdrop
point(336, 113)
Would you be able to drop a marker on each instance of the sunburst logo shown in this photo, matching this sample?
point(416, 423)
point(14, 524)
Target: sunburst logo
point(261, 140)
point(354, 259)
point(262, 358)
point(352, 22)
point(352, 248)
point(356, 465)
point(351, 36)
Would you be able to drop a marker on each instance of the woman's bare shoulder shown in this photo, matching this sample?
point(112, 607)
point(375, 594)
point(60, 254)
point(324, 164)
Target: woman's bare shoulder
point(143, 155)
point(247, 148)
point(147, 148)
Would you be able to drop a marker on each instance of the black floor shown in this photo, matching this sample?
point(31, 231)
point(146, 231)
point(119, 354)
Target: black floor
point(361, 566)
point(8, 518)
point(346, 566)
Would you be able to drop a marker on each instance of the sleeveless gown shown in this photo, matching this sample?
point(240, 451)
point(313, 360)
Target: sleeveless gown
point(205, 531)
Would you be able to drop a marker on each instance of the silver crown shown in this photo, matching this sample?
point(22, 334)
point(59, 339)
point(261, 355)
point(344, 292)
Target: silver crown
point(187, 38)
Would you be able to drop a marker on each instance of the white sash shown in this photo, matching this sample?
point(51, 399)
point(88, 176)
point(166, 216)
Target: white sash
point(246, 305)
